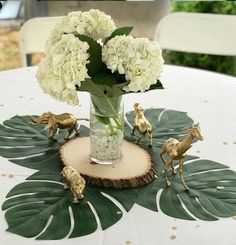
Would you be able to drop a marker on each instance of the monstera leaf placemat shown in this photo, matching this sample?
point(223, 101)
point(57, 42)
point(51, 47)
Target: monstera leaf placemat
point(41, 208)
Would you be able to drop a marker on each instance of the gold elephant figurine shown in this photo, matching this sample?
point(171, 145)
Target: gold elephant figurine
point(54, 122)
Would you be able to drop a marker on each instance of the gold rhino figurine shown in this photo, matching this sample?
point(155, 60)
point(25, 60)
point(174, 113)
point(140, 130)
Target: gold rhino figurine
point(54, 122)
point(73, 180)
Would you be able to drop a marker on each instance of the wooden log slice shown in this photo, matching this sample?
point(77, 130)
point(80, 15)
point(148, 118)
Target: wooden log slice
point(135, 169)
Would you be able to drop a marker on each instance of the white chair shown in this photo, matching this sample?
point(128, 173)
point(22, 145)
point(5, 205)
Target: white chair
point(34, 34)
point(198, 33)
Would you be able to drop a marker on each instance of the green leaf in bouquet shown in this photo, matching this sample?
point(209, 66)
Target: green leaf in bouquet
point(102, 85)
point(95, 65)
point(114, 81)
point(105, 106)
point(104, 79)
point(157, 85)
point(118, 32)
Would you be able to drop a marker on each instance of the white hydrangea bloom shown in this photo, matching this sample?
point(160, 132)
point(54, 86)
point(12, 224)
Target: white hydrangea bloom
point(93, 23)
point(115, 53)
point(98, 24)
point(55, 36)
point(139, 59)
point(63, 67)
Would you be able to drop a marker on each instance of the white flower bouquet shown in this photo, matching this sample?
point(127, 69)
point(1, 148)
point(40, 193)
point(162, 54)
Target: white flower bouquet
point(86, 52)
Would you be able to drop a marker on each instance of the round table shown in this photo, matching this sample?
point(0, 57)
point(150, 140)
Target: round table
point(208, 98)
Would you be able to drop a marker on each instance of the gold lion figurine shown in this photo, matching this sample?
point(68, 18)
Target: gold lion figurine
point(54, 122)
point(141, 124)
point(73, 180)
point(176, 151)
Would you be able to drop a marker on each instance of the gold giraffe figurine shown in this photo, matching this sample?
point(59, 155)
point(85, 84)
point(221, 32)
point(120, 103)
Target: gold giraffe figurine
point(73, 180)
point(54, 122)
point(176, 151)
point(141, 124)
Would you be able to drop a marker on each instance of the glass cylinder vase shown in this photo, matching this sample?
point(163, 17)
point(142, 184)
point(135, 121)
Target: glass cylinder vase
point(106, 129)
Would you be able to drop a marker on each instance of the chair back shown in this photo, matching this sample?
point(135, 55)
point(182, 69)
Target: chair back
point(198, 33)
point(34, 34)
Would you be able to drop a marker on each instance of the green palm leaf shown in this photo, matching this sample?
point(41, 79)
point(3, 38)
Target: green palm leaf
point(41, 208)
point(47, 204)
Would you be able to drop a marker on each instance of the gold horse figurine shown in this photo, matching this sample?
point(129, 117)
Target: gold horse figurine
point(141, 124)
point(176, 151)
point(54, 122)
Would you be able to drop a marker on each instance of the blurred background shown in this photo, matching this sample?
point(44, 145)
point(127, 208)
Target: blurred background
point(144, 16)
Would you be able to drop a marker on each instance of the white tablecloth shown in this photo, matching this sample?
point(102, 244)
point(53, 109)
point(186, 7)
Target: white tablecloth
point(209, 98)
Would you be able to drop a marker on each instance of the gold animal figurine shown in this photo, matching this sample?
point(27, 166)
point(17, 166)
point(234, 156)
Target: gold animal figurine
point(73, 180)
point(176, 151)
point(54, 122)
point(141, 124)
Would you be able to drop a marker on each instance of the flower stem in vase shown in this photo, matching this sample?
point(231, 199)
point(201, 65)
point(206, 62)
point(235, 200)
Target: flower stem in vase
point(106, 129)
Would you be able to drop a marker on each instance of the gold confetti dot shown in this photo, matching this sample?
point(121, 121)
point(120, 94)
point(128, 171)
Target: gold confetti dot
point(174, 228)
point(21, 97)
point(10, 175)
point(172, 236)
point(198, 151)
point(128, 242)
point(205, 101)
point(225, 143)
point(1, 105)
point(119, 212)
point(234, 217)
point(3, 175)
point(234, 142)
point(31, 98)
point(197, 226)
